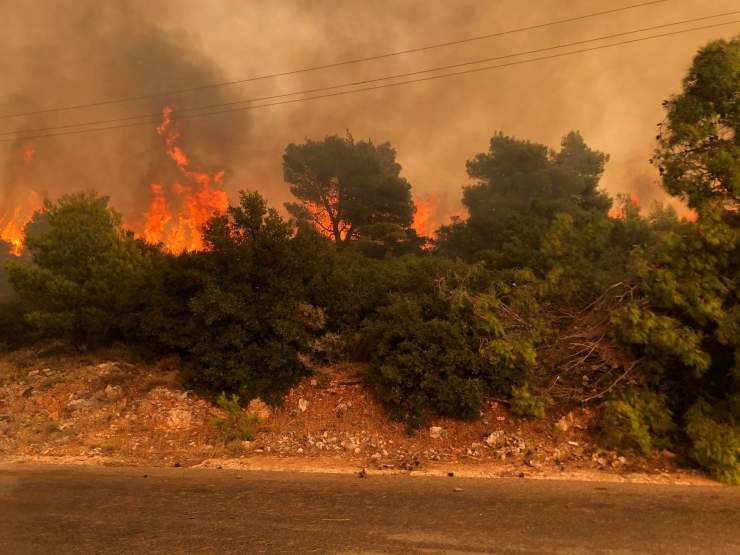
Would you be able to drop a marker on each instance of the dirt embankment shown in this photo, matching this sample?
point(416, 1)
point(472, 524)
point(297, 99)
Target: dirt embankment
point(102, 409)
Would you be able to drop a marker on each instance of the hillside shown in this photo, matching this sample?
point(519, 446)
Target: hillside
point(102, 408)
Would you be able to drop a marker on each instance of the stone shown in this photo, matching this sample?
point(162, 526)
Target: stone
point(261, 409)
point(78, 404)
point(436, 432)
point(302, 405)
point(562, 424)
point(495, 439)
point(113, 392)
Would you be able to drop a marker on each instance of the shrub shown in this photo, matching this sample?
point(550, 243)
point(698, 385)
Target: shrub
point(526, 403)
point(14, 330)
point(440, 351)
point(329, 348)
point(237, 424)
point(236, 311)
point(715, 444)
point(636, 420)
point(87, 274)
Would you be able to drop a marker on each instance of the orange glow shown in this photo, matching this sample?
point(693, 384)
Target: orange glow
point(425, 210)
point(177, 213)
point(28, 152)
point(157, 216)
point(17, 211)
point(14, 221)
point(689, 216)
point(617, 212)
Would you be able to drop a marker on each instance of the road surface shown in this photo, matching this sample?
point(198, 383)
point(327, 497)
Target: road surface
point(55, 509)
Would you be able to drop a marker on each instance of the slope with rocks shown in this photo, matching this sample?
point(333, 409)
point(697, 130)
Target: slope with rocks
point(103, 408)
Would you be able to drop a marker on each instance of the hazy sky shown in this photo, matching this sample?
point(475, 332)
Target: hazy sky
point(59, 52)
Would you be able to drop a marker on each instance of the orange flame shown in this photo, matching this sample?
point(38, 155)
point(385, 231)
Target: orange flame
point(12, 224)
point(14, 220)
point(197, 199)
point(618, 212)
point(425, 209)
point(690, 216)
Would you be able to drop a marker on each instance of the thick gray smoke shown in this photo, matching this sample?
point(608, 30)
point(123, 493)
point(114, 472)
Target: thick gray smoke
point(58, 52)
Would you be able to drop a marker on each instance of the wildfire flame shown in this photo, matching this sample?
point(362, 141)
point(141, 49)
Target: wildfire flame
point(618, 212)
point(425, 209)
point(176, 214)
point(689, 216)
point(13, 220)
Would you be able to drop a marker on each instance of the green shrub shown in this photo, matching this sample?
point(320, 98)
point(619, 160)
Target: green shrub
point(14, 330)
point(329, 348)
point(636, 420)
point(235, 311)
point(440, 351)
point(715, 444)
point(526, 403)
point(237, 424)
point(86, 276)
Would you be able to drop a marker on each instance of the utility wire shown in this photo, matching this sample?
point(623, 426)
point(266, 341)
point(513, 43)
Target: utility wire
point(331, 65)
point(181, 111)
point(385, 85)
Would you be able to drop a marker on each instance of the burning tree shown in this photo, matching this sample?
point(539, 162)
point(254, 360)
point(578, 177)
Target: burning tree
point(346, 187)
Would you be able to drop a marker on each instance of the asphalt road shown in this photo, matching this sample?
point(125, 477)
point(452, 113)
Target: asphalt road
point(51, 509)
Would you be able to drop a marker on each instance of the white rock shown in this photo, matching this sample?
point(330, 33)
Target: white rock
point(179, 418)
point(436, 432)
point(302, 405)
point(113, 392)
point(494, 439)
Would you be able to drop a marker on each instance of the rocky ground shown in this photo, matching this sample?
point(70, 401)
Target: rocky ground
point(103, 408)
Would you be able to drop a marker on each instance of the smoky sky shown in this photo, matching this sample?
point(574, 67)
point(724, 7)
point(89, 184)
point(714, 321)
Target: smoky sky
point(61, 52)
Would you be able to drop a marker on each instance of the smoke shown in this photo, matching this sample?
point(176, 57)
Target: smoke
point(71, 51)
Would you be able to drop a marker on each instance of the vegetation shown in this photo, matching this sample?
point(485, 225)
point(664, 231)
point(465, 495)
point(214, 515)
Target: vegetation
point(86, 275)
point(235, 310)
point(348, 189)
point(637, 420)
point(237, 424)
point(539, 297)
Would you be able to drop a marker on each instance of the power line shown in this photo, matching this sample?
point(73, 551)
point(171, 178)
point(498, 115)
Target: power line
point(331, 65)
point(385, 85)
point(365, 81)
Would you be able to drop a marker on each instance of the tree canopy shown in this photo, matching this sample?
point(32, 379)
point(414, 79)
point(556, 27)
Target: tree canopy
point(519, 188)
point(87, 273)
point(345, 186)
point(699, 146)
